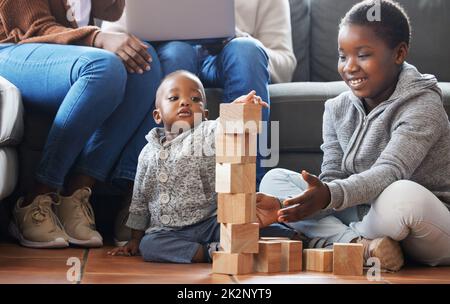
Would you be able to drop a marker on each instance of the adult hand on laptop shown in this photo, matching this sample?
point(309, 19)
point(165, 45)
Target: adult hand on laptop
point(129, 48)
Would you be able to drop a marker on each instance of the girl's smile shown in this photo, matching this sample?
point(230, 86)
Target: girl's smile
point(357, 83)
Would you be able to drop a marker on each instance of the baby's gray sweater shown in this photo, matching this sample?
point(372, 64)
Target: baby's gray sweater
point(175, 181)
point(406, 137)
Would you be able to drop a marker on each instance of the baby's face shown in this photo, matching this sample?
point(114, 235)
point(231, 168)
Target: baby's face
point(181, 99)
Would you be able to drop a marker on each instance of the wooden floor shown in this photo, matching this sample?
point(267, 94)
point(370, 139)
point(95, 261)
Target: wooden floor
point(23, 265)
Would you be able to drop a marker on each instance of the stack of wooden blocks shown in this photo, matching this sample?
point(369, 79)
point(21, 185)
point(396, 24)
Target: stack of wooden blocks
point(243, 251)
point(236, 146)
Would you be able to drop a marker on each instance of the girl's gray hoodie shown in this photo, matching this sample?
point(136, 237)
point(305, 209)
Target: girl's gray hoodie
point(406, 137)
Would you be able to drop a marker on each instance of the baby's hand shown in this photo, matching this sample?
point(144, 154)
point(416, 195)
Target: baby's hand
point(251, 98)
point(130, 249)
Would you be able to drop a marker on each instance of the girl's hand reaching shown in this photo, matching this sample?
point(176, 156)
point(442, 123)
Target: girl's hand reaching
point(251, 98)
point(312, 200)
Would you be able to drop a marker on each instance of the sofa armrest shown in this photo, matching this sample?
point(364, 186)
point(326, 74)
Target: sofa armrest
point(11, 114)
point(9, 171)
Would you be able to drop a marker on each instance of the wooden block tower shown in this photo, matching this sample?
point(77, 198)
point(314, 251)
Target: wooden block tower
point(236, 146)
point(242, 250)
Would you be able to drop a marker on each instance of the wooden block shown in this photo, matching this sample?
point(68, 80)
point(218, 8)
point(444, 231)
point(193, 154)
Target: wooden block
point(232, 263)
point(236, 148)
point(268, 258)
point(348, 259)
point(239, 238)
point(273, 238)
point(237, 208)
point(291, 255)
point(240, 118)
point(318, 260)
point(236, 178)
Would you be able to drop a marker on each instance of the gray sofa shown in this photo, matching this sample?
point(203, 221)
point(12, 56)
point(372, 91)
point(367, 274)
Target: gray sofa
point(299, 105)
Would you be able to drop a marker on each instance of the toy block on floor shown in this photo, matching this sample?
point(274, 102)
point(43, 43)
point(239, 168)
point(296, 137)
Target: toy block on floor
point(232, 263)
point(348, 259)
point(237, 208)
point(318, 260)
point(291, 255)
point(239, 238)
point(236, 178)
point(273, 238)
point(268, 258)
point(236, 148)
point(240, 118)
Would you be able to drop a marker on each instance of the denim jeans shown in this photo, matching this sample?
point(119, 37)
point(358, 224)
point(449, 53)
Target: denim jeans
point(405, 211)
point(102, 114)
point(181, 245)
point(242, 66)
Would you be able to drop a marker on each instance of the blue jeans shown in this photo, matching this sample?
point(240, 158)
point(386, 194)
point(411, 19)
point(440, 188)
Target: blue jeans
point(240, 67)
point(102, 114)
point(180, 246)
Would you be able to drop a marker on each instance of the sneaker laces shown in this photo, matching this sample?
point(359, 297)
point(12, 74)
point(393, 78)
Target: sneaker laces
point(42, 211)
point(87, 210)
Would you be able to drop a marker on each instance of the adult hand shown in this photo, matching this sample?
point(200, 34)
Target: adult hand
point(130, 249)
point(251, 98)
point(267, 207)
point(129, 48)
point(312, 200)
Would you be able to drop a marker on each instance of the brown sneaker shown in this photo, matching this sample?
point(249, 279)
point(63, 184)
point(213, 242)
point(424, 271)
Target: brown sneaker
point(76, 215)
point(36, 225)
point(386, 250)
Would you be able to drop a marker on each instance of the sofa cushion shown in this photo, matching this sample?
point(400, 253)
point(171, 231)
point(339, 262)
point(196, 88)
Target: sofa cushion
point(431, 30)
point(11, 114)
point(299, 109)
point(300, 22)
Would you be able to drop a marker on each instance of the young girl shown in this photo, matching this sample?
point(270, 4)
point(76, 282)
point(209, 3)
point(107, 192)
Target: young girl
point(385, 178)
point(172, 213)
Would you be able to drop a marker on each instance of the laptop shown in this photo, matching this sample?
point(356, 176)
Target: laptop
point(194, 21)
